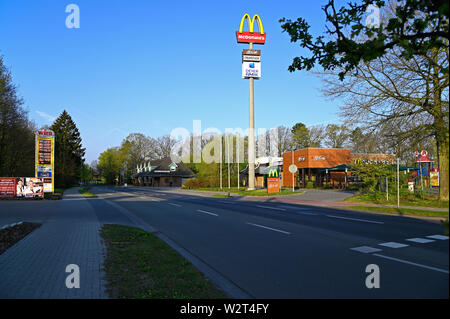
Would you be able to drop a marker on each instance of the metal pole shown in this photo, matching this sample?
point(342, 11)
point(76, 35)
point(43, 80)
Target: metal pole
point(220, 162)
point(398, 182)
point(293, 174)
point(237, 155)
point(228, 159)
point(387, 190)
point(251, 136)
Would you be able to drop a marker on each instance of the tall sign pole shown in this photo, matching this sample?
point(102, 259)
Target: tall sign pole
point(251, 133)
point(251, 69)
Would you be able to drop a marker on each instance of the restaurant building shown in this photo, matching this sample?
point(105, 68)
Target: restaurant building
point(326, 165)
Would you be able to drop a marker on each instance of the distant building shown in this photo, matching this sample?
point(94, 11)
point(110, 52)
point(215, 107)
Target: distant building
point(162, 173)
point(326, 165)
point(262, 165)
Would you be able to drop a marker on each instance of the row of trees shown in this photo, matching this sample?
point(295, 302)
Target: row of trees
point(135, 150)
point(17, 138)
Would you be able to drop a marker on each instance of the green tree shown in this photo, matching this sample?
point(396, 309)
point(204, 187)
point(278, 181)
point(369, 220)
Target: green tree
point(16, 131)
point(303, 136)
point(399, 69)
point(110, 163)
point(69, 152)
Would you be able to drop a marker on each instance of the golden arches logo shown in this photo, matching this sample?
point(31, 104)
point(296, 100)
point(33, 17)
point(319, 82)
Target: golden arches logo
point(273, 173)
point(251, 23)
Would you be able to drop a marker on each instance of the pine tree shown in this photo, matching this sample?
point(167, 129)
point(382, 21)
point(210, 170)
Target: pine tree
point(69, 152)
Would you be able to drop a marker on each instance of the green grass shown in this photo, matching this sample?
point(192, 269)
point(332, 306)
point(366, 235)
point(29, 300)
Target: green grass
point(85, 191)
point(400, 211)
point(244, 192)
point(140, 265)
point(406, 199)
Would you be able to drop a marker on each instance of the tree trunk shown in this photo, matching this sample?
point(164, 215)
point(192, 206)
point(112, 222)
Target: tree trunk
point(443, 150)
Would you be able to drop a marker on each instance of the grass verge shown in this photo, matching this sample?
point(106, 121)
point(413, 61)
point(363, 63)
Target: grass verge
point(140, 265)
point(242, 191)
point(85, 191)
point(406, 199)
point(400, 211)
point(11, 235)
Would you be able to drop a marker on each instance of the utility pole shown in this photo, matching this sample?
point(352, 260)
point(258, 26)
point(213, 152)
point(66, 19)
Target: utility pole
point(228, 158)
point(237, 156)
point(398, 182)
point(293, 174)
point(220, 162)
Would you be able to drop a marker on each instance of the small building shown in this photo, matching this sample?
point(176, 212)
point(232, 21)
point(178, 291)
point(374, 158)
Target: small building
point(162, 173)
point(262, 165)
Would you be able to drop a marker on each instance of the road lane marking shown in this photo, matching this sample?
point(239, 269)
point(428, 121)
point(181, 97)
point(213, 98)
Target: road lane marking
point(306, 213)
point(356, 219)
point(440, 237)
point(411, 263)
point(271, 207)
point(420, 240)
point(366, 249)
point(205, 212)
point(226, 202)
point(392, 244)
point(277, 230)
point(174, 204)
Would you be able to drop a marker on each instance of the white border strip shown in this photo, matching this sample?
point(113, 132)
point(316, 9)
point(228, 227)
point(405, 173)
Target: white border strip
point(411, 263)
point(359, 220)
point(277, 230)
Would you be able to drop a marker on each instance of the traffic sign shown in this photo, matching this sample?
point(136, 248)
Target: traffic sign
point(293, 168)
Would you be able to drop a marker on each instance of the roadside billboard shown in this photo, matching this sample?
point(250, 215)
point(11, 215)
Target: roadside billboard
point(44, 165)
point(21, 187)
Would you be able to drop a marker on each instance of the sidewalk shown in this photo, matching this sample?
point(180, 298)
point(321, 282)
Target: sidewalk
point(35, 267)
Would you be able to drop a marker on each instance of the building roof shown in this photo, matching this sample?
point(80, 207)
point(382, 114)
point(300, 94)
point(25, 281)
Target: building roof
point(162, 168)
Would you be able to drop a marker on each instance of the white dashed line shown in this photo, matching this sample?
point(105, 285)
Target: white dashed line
point(174, 204)
point(440, 237)
point(392, 244)
point(366, 249)
point(271, 207)
point(277, 230)
point(205, 212)
point(356, 219)
point(411, 263)
point(306, 213)
point(420, 240)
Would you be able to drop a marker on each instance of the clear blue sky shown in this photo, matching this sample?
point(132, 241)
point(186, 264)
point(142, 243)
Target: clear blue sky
point(151, 66)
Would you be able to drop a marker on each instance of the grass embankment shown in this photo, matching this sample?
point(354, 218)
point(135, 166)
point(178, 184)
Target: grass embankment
point(140, 265)
point(242, 191)
point(85, 191)
point(406, 199)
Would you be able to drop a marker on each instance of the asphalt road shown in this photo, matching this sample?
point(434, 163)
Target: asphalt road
point(277, 250)
point(273, 249)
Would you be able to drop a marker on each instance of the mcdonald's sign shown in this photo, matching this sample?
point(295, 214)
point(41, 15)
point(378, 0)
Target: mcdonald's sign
point(250, 36)
point(273, 173)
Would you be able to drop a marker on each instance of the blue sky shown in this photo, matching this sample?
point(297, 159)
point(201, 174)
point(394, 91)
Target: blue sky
point(151, 66)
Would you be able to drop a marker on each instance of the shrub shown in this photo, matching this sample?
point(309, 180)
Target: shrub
point(310, 185)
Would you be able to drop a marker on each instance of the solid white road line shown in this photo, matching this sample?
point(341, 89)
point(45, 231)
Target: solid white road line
point(440, 237)
point(392, 244)
point(366, 249)
point(420, 240)
point(411, 263)
point(205, 212)
point(271, 207)
point(174, 204)
point(277, 230)
point(356, 219)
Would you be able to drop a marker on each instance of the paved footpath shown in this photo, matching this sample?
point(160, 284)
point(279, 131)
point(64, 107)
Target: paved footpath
point(35, 267)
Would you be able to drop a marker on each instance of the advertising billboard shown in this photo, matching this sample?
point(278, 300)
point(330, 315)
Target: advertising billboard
point(21, 187)
point(44, 166)
point(273, 180)
point(251, 70)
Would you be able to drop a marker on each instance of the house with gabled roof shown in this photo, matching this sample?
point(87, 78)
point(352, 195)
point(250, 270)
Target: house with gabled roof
point(162, 173)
